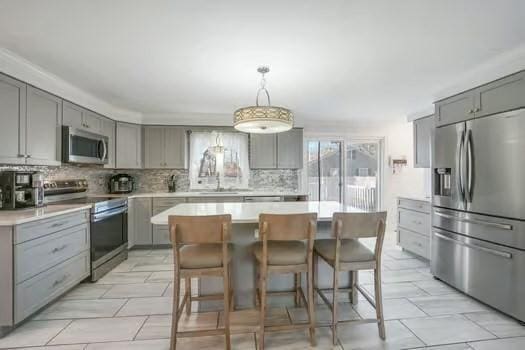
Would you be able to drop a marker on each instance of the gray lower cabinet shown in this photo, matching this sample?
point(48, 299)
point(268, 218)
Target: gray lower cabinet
point(109, 129)
point(142, 210)
point(43, 128)
point(43, 260)
point(277, 151)
point(413, 226)
point(422, 141)
point(129, 146)
point(12, 119)
point(161, 234)
point(165, 147)
point(498, 96)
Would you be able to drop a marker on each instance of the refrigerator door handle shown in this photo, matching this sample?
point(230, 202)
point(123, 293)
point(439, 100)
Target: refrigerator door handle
point(476, 222)
point(502, 254)
point(459, 162)
point(469, 166)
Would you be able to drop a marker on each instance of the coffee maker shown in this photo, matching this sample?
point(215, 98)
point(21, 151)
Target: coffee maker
point(21, 189)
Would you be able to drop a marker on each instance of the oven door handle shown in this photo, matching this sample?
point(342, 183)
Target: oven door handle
point(109, 213)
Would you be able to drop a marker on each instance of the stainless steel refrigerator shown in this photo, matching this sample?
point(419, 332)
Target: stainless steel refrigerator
point(478, 233)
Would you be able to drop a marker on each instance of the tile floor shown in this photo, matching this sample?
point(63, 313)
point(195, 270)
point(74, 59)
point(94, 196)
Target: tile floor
point(130, 309)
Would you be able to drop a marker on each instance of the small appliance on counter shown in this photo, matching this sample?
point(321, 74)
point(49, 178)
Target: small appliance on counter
point(172, 183)
point(21, 189)
point(121, 183)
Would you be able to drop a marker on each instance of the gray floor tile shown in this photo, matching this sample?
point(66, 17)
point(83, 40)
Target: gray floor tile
point(81, 309)
point(131, 290)
point(124, 277)
point(153, 267)
point(405, 264)
point(147, 306)
point(33, 333)
point(323, 315)
point(500, 344)
point(448, 304)
point(393, 309)
point(498, 324)
point(397, 276)
point(435, 287)
point(446, 329)
point(99, 330)
point(125, 266)
point(161, 276)
point(397, 290)
point(366, 337)
point(462, 346)
point(55, 347)
point(159, 326)
point(87, 291)
point(397, 253)
point(299, 340)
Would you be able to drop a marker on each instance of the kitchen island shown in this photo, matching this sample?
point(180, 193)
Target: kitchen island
point(245, 218)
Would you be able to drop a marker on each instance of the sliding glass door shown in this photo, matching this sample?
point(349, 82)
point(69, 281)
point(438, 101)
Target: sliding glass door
point(347, 171)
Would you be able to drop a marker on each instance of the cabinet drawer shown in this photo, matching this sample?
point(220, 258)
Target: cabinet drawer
point(415, 243)
point(414, 205)
point(38, 291)
point(167, 202)
point(40, 254)
point(36, 229)
point(414, 221)
point(161, 235)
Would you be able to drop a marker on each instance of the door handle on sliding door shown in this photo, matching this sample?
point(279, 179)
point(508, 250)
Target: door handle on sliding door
point(469, 166)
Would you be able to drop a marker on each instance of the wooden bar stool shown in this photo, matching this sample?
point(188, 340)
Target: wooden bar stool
point(346, 253)
point(285, 246)
point(201, 248)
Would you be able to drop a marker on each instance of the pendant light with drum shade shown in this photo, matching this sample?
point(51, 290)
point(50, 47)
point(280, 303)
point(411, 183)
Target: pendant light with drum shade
point(263, 119)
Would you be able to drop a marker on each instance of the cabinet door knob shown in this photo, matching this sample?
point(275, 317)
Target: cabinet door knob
point(477, 109)
point(470, 111)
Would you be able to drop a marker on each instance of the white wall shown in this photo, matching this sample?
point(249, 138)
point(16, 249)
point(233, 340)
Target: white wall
point(398, 141)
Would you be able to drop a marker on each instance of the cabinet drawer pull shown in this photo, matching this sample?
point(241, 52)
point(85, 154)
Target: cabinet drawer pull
point(58, 224)
point(58, 249)
point(474, 221)
point(60, 281)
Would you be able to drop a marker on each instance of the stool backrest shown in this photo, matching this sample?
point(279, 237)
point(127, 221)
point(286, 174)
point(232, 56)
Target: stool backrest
point(287, 227)
point(359, 225)
point(199, 229)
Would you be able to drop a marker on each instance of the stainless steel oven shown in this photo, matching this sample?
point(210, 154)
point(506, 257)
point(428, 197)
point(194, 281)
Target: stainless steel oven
point(109, 237)
point(79, 146)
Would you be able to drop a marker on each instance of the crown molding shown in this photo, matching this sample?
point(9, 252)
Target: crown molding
point(22, 69)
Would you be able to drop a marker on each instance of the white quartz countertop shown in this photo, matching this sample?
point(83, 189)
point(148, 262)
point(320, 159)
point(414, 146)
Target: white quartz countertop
point(232, 193)
point(22, 216)
point(245, 213)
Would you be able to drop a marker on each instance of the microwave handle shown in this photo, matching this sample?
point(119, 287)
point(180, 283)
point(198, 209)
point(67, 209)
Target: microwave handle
point(105, 152)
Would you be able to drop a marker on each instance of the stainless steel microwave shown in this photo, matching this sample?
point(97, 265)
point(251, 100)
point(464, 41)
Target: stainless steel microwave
point(79, 146)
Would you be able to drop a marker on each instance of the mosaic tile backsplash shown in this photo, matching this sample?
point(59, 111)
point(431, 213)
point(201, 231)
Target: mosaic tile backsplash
point(154, 180)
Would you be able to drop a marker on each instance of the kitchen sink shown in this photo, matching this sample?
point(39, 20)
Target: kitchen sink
point(218, 192)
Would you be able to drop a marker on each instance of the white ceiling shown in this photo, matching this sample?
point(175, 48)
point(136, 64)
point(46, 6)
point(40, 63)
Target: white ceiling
point(330, 60)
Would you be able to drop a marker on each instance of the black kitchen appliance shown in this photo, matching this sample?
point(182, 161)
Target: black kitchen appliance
point(121, 183)
point(20, 190)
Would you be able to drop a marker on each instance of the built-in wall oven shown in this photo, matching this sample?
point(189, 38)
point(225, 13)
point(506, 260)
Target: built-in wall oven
point(80, 146)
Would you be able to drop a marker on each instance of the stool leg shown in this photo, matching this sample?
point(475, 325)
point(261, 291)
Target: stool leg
point(297, 285)
point(231, 293)
point(334, 305)
point(354, 276)
point(256, 285)
point(379, 303)
point(311, 303)
point(315, 276)
point(175, 312)
point(226, 294)
point(262, 313)
point(187, 286)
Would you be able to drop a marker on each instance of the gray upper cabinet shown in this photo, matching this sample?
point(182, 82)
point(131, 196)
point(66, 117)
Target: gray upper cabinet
point(108, 128)
point(498, 96)
point(129, 146)
point(12, 119)
point(290, 149)
point(501, 95)
point(263, 151)
point(165, 147)
point(81, 118)
point(422, 140)
point(43, 128)
point(277, 151)
point(455, 109)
